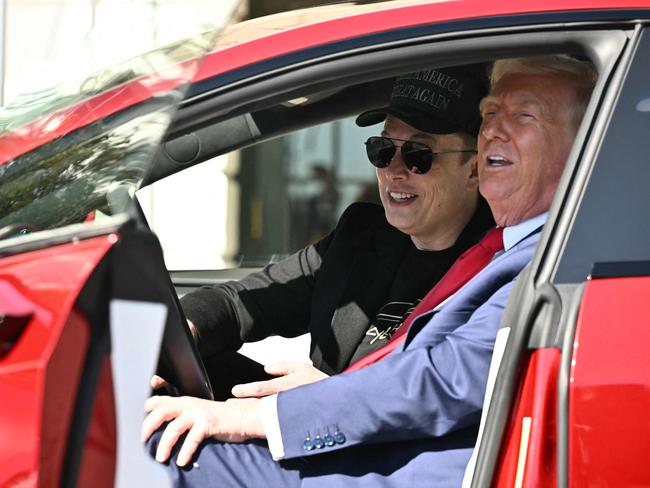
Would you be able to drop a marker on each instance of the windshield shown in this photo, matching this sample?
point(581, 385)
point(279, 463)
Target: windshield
point(77, 153)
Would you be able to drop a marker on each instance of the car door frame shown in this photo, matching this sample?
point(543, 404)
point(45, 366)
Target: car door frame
point(543, 312)
point(377, 61)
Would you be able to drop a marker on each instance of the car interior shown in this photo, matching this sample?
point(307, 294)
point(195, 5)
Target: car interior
point(228, 118)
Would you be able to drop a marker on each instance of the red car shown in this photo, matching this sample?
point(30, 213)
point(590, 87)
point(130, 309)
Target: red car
point(89, 311)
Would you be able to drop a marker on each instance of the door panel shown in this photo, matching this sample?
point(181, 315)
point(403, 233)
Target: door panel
point(100, 444)
point(40, 372)
point(609, 386)
point(529, 457)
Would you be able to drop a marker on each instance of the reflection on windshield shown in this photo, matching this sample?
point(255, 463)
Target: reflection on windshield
point(63, 182)
point(86, 153)
point(32, 106)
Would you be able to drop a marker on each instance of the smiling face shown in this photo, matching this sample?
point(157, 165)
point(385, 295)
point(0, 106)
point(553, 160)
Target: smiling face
point(433, 208)
point(524, 142)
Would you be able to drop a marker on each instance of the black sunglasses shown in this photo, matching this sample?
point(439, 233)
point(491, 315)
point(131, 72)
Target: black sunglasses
point(418, 157)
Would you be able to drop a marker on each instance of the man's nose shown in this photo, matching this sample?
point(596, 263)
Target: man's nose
point(396, 169)
point(494, 127)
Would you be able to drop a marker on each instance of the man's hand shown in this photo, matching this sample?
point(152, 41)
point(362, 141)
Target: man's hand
point(290, 375)
point(234, 420)
point(157, 382)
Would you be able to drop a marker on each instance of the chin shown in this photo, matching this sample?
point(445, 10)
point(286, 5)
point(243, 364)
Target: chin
point(397, 222)
point(489, 192)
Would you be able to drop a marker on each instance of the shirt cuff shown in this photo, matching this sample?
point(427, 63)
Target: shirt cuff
point(271, 423)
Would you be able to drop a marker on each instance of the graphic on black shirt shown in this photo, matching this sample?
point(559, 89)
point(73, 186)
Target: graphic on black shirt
point(418, 272)
point(388, 320)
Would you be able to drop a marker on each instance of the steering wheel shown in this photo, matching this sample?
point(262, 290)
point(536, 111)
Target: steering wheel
point(180, 362)
point(139, 251)
point(182, 366)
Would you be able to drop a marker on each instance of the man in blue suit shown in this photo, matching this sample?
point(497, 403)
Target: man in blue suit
point(411, 418)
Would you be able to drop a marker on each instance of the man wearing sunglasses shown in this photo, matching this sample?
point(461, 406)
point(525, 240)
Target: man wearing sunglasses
point(352, 289)
point(411, 418)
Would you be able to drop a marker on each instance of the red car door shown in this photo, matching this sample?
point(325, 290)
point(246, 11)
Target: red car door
point(572, 389)
point(85, 299)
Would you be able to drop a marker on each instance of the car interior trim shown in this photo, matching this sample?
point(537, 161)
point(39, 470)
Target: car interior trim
point(351, 70)
point(620, 269)
point(571, 300)
point(417, 33)
point(509, 372)
point(62, 235)
point(132, 369)
point(372, 59)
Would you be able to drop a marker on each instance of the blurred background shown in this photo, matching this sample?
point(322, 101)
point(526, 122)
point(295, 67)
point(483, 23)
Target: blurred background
point(48, 40)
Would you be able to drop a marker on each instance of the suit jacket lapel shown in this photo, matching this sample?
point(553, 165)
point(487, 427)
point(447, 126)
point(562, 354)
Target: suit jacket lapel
point(419, 323)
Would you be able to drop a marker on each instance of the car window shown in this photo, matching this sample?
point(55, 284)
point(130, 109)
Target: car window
point(259, 204)
point(611, 224)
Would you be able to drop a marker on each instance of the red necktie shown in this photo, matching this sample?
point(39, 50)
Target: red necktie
point(464, 268)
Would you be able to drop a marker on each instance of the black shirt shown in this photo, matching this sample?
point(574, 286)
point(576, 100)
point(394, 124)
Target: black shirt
point(417, 274)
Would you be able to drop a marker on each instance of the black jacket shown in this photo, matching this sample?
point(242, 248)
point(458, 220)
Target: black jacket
point(331, 289)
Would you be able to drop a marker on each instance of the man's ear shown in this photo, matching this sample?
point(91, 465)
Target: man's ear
point(472, 182)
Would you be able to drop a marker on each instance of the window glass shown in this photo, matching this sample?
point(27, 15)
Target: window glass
point(80, 149)
point(257, 205)
point(611, 223)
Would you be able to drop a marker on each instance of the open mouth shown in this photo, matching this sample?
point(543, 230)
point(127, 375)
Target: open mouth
point(401, 197)
point(497, 161)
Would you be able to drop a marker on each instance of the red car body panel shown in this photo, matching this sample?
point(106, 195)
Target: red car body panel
point(64, 121)
point(537, 401)
point(39, 374)
point(609, 393)
point(278, 38)
point(97, 466)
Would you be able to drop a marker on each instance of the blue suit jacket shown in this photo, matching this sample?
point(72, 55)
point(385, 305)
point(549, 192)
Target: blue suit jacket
point(410, 419)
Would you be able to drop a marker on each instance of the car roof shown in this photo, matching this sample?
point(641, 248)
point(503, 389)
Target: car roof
point(266, 37)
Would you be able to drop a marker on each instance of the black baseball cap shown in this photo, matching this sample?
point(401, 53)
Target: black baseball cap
point(437, 101)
